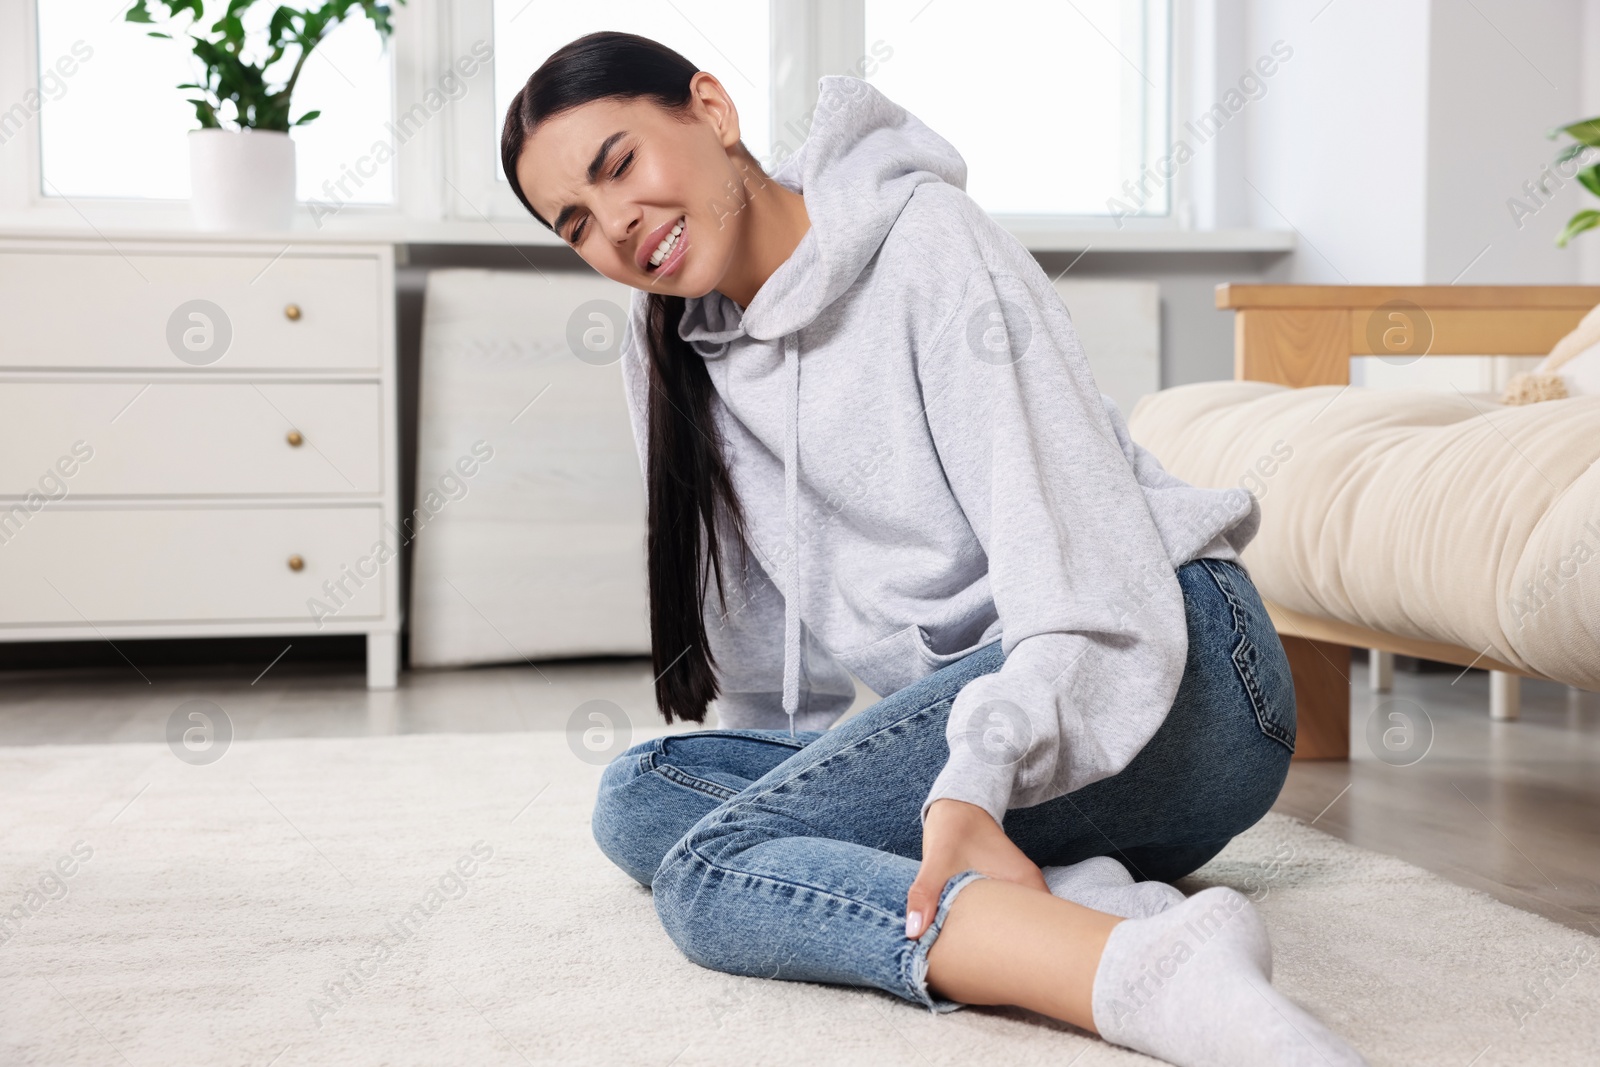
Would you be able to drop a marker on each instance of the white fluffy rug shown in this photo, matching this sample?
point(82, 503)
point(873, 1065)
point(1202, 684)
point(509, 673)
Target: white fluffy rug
point(208, 909)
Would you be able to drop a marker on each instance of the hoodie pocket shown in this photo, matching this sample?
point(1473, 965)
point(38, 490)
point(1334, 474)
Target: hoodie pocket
point(890, 663)
point(894, 662)
point(937, 660)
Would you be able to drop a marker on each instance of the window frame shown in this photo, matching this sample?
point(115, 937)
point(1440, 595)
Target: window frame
point(444, 179)
point(413, 69)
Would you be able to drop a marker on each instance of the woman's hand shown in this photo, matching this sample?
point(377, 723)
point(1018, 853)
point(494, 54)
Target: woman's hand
point(958, 836)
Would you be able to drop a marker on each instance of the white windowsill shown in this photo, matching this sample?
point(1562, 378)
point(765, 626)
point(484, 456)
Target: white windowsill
point(170, 221)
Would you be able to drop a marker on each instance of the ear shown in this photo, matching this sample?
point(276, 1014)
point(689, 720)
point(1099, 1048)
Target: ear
point(710, 96)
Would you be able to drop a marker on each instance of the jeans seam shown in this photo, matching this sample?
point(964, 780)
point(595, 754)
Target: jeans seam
point(779, 738)
point(775, 787)
point(653, 760)
point(687, 845)
point(1247, 676)
point(913, 961)
point(699, 785)
point(914, 964)
point(699, 857)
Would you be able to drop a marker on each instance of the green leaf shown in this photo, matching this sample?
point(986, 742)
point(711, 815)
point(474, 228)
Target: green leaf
point(1583, 220)
point(1585, 131)
point(163, 36)
point(1572, 151)
point(1590, 177)
point(206, 114)
point(259, 92)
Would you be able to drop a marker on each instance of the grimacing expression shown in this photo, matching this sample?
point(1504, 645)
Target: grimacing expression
point(650, 169)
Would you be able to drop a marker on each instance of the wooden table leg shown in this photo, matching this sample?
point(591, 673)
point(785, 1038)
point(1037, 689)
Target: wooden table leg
point(1321, 673)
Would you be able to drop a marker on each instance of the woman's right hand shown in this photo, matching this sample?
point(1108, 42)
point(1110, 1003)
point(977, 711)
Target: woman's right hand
point(957, 836)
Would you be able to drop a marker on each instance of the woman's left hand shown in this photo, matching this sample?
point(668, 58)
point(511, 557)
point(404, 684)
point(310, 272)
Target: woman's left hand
point(957, 836)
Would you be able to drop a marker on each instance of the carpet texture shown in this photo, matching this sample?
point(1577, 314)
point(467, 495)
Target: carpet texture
point(255, 911)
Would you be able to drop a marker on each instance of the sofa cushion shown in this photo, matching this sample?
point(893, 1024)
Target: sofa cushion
point(1571, 369)
point(1420, 514)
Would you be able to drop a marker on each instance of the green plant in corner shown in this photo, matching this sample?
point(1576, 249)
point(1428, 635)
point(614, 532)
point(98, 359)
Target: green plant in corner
point(232, 77)
point(1585, 135)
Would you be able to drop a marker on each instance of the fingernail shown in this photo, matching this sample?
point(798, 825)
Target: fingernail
point(913, 923)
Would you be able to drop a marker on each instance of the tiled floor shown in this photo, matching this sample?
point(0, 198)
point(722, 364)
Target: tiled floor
point(1510, 808)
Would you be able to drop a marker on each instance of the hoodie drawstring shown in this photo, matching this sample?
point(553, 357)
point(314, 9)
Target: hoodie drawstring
point(791, 514)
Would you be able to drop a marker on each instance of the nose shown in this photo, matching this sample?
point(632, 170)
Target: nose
point(621, 223)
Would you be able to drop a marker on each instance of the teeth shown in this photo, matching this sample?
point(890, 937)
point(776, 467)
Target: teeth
point(665, 247)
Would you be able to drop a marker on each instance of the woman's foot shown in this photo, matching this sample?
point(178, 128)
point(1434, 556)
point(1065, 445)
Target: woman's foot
point(1191, 986)
point(1103, 884)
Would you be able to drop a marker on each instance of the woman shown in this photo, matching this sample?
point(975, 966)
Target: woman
point(1080, 679)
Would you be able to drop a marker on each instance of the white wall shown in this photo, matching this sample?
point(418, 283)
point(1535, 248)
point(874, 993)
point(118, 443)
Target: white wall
point(1338, 147)
point(1501, 73)
point(1589, 89)
point(1399, 132)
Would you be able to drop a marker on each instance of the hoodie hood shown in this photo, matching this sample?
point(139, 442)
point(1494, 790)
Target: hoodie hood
point(861, 161)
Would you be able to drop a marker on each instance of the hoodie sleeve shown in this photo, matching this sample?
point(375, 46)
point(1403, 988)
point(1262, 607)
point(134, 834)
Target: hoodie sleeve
point(1204, 509)
point(746, 634)
point(1093, 622)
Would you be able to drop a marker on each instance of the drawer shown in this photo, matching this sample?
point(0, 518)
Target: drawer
point(209, 437)
point(173, 311)
point(73, 566)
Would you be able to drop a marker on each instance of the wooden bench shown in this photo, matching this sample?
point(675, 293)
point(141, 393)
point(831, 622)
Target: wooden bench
point(1300, 335)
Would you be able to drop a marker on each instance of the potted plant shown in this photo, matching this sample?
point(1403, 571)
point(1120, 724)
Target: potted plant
point(1585, 135)
point(242, 175)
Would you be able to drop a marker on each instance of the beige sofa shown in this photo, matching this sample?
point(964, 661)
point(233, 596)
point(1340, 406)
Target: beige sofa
point(1442, 525)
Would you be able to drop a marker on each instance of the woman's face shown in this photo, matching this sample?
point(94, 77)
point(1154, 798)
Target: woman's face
point(650, 172)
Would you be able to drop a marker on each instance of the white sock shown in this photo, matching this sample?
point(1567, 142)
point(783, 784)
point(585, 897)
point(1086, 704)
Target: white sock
point(1191, 986)
point(1103, 884)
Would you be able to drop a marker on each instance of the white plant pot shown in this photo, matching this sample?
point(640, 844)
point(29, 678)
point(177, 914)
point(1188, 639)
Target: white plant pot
point(241, 179)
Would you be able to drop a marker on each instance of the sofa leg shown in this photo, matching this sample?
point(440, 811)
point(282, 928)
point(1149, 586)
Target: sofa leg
point(1380, 670)
point(1321, 673)
point(1505, 696)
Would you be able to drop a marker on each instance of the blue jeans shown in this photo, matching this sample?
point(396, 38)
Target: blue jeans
point(790, 857)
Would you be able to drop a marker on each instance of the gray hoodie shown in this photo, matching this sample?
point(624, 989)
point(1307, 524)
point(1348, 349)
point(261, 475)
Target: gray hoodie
point(945, 473)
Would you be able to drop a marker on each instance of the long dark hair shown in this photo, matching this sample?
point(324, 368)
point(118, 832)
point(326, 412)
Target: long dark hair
point(687, 480)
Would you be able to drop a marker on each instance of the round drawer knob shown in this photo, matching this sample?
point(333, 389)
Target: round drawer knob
point(296, 563)
point(294, 438)
point(292, 312)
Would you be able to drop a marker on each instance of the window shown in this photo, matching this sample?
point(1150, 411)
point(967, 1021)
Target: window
point(1055, 121)
point(1059, 109)
point(1051, 121)
point(726, 38)
point(117, 126)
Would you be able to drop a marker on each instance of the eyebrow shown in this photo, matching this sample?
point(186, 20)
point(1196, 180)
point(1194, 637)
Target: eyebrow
point(591, 174)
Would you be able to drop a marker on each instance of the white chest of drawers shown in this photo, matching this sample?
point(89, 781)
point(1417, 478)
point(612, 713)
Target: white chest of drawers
point(198, 438)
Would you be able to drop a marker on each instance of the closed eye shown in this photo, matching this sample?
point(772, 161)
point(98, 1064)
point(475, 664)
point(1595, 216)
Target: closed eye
point(580, 229)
